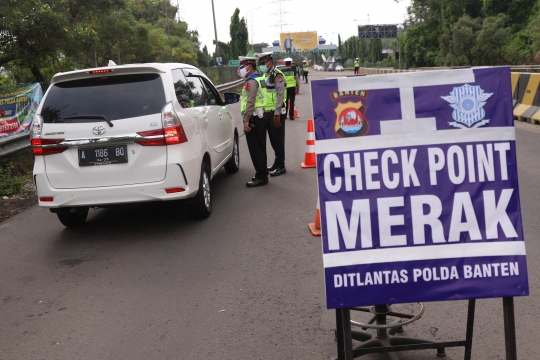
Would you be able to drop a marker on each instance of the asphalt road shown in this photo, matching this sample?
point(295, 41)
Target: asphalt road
point(149, 282)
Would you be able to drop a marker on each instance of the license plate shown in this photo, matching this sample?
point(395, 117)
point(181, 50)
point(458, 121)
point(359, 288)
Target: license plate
point(103, 155)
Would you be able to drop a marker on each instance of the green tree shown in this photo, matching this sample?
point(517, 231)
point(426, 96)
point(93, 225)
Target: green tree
point(239, 36)
point(491, 39)
point(340, 48)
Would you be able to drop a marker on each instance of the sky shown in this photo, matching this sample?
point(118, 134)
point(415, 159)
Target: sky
point(327, 18)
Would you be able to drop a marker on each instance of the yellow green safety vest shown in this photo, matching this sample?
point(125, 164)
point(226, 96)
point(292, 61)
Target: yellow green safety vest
point(356, 64)
point(306, 68)
point(259, 99)
point(270, 98)
point(289, 77)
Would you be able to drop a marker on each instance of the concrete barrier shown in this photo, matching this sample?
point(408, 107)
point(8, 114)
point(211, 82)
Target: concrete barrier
point(514, 78)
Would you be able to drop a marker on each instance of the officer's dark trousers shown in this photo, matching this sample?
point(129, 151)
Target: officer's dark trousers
point(256, 141)
point(277, 138)
point(305, 76)
point(291, 95)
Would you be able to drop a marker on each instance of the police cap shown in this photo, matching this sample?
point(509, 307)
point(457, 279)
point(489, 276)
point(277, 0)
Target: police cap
point(287, 60)
point(247, 60)
point(264, 57)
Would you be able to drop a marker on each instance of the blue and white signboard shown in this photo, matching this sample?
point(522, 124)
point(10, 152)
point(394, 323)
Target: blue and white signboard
point(418, 187)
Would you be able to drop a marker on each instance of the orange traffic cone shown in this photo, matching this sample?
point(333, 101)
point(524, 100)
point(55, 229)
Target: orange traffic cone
point(296, 116)
point(309, 160)
point(297, 91)
point(315, 227)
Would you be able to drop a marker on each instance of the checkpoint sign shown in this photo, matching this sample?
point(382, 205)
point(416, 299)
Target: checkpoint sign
point(418, 187)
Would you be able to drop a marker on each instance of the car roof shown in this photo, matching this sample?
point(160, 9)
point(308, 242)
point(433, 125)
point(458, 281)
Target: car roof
point(121, 69)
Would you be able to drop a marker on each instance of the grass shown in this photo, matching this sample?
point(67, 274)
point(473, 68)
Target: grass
point(15, 170)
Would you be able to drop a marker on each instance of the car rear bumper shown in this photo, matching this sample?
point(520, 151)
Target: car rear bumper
point(183, 175)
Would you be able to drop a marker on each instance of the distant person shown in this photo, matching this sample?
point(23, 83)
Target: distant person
point(293, 83)
point(305, 70)
point(356, 66)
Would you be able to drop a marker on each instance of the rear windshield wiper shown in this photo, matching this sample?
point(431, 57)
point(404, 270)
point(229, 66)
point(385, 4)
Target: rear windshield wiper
point(90, 117)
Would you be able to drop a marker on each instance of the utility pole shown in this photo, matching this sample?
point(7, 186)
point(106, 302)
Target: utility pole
point(215, 29)
point(280, 13)
point(168, 31)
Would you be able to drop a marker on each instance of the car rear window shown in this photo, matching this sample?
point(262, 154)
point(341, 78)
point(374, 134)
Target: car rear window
point(115, 97)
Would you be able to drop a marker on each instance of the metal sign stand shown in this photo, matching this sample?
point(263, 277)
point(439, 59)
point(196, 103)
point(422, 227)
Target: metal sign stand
point(385, 343)
point(509, 328)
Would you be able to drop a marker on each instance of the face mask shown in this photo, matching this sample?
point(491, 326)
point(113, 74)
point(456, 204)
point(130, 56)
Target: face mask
point(263, 68)
point(243, 72)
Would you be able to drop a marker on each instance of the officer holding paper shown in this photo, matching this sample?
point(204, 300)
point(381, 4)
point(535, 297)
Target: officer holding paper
point(252, 104)
point(275, 110)
point(293, 84)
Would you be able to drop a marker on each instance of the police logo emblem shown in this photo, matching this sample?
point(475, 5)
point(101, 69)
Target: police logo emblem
point(467, 102)
point(351, 119)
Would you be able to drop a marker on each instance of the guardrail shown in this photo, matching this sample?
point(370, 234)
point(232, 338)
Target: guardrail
point(14, 143)
point(230, 85)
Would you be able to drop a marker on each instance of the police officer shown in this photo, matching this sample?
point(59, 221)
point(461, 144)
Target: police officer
point(252, 109)
point(293, 84)
point(306, 70)
point(356, 66)
point(275, 110)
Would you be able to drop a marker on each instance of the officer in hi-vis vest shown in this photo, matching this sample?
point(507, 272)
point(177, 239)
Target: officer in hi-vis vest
point(356, 66)
point(275, 110)
point(306, 70)
point(252, 109)
point(293, 83)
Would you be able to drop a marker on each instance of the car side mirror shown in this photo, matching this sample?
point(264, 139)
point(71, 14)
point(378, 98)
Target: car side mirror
point(231, 98)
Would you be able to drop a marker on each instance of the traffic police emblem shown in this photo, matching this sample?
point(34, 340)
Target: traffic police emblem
point(351, 119)
point(467, 102)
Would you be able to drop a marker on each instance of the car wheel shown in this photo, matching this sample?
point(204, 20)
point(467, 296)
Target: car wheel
point(74, 217)
point(233, 165)
point(202, 207)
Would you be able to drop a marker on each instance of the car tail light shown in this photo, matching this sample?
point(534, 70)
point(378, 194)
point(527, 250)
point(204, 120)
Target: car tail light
point(46, 199)
point(39, 150)
point(41, 146)
point(174, 190)
point(171, 134)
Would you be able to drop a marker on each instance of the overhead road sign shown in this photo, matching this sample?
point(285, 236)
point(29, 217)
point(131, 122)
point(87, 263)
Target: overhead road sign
point(369, 32)
point(418, 187)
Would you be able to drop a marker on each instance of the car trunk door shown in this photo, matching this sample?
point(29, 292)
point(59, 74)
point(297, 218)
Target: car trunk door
point(97, 153)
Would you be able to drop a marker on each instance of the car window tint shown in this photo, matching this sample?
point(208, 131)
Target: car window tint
point(213, 95)
point(200, 95)
point(115, 97)
point(183, 89)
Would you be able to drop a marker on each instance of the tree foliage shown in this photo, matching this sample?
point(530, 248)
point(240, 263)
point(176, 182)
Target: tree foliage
point(239, 36)
point(41, 37)
point(471, 32)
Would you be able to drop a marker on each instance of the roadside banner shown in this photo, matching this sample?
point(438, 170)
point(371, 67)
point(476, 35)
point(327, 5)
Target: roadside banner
point(418, 187)
point(17, 109)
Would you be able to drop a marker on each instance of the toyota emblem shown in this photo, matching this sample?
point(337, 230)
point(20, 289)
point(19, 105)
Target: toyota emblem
point(98, 130)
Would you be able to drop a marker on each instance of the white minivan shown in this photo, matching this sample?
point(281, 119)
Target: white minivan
point(131, 133)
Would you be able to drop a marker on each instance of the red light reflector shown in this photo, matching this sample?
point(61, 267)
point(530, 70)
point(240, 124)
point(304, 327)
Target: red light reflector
point(174, 190)
point(103, 71)
point(46, 199)
point(37, 150)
